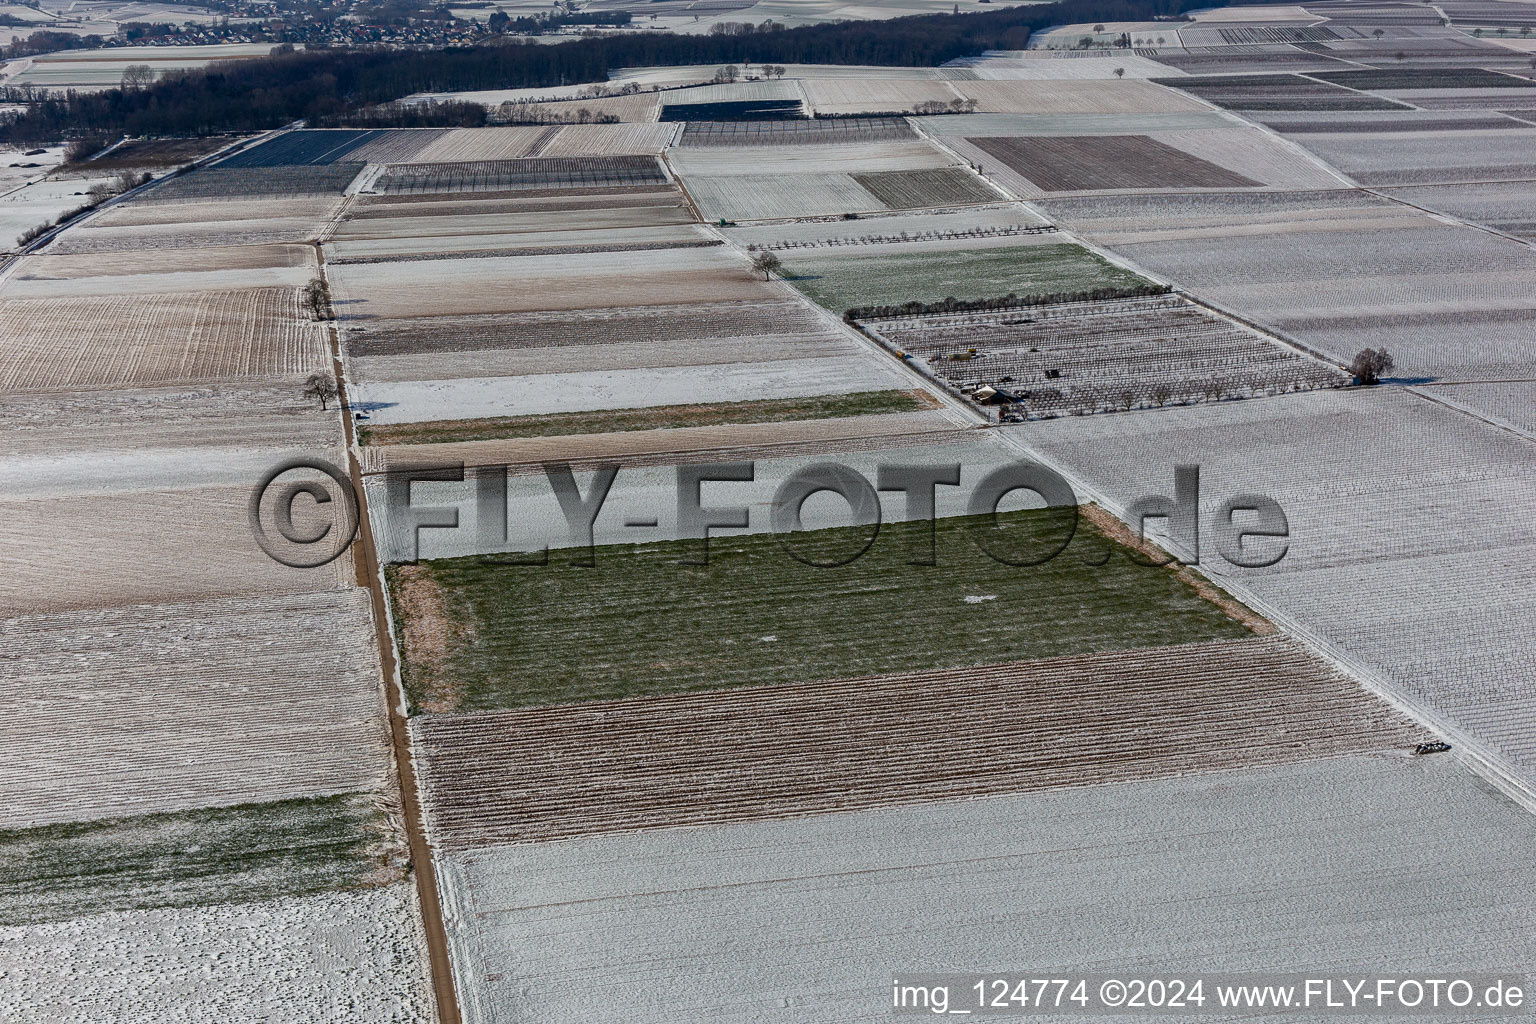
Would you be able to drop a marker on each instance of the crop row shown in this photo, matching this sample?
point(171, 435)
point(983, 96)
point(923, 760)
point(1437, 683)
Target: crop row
point(512, 175)
point(912, 236)
point(1074, 163)
point(750, 110)
point(795, 132)
point(932, 187)
point(222, 182)
point(587, 327)
point(133, 340)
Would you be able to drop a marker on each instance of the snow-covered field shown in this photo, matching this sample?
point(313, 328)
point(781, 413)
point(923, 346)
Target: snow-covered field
point(1338, 272)
point(813, 917)
point(1404, 517)
point(169, 707)
point(578, 390)
point(156, 338)
point(349, 957)
point(512, 284)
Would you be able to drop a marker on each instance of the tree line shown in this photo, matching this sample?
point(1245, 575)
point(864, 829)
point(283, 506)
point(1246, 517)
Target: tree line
point(329, 86)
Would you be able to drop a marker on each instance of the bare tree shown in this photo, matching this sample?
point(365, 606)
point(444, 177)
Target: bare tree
point(320, 386)
point(729, 73)
point(317, 298)
point(137, 76)
point(768, 263)
point(1369, 364)
point(1379, 33)
point(1119, 72)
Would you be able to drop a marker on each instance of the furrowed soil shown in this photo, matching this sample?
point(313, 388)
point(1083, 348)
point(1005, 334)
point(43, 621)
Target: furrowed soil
point(781, 751)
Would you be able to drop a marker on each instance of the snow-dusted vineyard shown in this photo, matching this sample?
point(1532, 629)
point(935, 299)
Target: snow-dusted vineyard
point(1079, 96)
point(145, 705)
point(590, 340)
point(1404, 515)
point(510, 175)
point(484, 144)
point(917, 190)
point(350, 957)
point(1107, 356)
point(841, 131)
point(1336, 271)
point(949, 228)
point(778, 196)
point(253, 414)
point(390, 147)
point(256, 183)
point(212, 211)
point(516, 284)
point(843, 96)
point(1070, 124)
point(157, 339)
point(1503, 206)
point(1092, 163)
point(679, 445)
point(78, 550)
point(752, 909)
point(199, 234)
point(594, 140)
point(49, 266)
point(879, 741)
point(1417, 158)
point(638, 108)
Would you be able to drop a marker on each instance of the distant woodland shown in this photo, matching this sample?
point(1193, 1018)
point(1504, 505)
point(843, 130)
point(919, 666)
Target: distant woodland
point(326, 87)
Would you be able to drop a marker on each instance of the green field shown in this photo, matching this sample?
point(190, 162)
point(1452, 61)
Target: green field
point(842, 283)
point(215, 855)
point(477, 635)
point(561, 424)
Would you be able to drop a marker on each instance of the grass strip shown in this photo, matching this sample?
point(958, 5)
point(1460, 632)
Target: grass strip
point(189, 858)
point(479, 634)
point(560, 424)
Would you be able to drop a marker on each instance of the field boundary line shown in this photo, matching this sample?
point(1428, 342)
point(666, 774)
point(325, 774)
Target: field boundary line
point(1297, 149)
point(677, 180)
point(1446, 216)
point(995, 186)
point(1481, 417)
point(439, 963)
